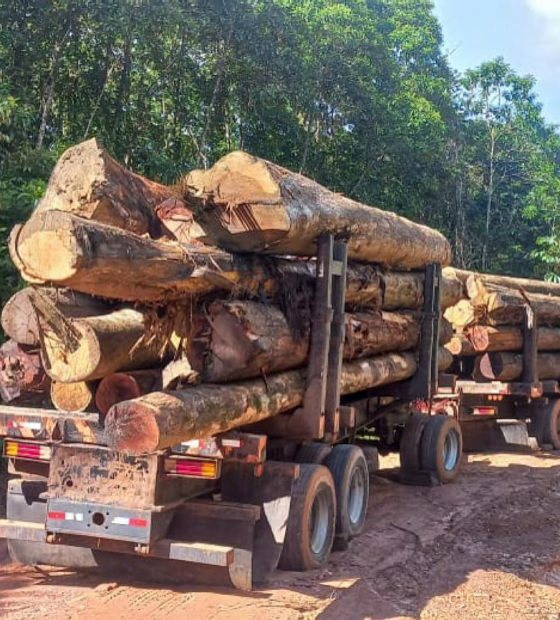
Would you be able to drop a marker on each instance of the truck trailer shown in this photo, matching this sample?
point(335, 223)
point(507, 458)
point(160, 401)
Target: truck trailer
point(234, 507)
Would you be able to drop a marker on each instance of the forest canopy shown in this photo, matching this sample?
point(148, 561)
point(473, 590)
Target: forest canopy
point(357, 94)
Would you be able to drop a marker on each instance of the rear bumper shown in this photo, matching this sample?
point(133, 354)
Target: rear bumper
point(236, 561)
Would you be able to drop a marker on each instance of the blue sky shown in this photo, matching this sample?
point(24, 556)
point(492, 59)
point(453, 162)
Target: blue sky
point(525, 32)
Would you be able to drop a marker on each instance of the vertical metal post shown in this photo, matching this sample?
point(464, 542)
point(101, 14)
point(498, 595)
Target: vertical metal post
point(309, 420)
point(530, 345)
point(334, 369)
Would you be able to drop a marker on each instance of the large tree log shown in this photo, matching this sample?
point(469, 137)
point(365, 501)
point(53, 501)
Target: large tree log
point(19, 320)
point(247, 204)
point(475, 281)
point(244, 339)
point(102, 260)
point(163, 419)
point(88, 182)
point(505, 306)
point(503, 366)
point(21, 374)
point(102, 345)
point(482, 338)
point(72, 397)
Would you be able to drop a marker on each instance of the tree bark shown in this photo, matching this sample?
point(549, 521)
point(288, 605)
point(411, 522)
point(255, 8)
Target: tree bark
point(505, 306)
point(93, 258)
point(247, 204)
point(162, 419)
point(88, 182)
point(21, 375)
point(72, 397)
point(19, 320)
point(484, 338)
point(475, 282)
point(503, 366)
point(120, 386)
point(243, 339)
point(104, 345)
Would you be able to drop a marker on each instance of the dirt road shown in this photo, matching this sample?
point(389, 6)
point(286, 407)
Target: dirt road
point(484, 548)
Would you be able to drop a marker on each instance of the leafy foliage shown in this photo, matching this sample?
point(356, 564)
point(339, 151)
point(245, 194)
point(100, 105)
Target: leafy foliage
point(356, 94)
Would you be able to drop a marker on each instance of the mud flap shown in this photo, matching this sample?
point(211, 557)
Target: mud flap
point(268, 485)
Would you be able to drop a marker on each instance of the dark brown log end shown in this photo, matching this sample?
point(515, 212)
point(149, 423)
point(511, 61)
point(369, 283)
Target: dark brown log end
point(114, 389)
point(131, 427)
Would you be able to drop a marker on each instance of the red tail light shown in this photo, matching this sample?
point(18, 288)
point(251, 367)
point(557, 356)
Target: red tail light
point(193, 467)
point(29, 450)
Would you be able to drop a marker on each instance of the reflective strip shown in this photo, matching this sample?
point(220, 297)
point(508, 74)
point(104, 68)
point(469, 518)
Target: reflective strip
point(231, 443)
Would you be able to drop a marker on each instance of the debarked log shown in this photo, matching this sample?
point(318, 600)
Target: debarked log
point(163, 419)
point(247, 204)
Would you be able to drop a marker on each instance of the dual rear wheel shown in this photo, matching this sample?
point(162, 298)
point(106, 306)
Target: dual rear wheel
point(328, 500)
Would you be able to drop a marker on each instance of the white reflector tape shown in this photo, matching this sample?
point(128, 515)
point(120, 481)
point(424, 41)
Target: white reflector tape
point(73, 516)
point(193, 443)
point(34, 426)
point(231, 443)
point(120, 521)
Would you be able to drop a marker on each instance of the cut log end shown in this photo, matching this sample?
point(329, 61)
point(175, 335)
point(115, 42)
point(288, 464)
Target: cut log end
point(72, 397)
point(132, 427)
point(114, 389)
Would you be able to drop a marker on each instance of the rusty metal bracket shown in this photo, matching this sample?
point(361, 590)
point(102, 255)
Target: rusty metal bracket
point(319, 417)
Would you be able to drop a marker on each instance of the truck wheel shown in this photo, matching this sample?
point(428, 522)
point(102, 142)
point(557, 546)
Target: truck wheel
point(550, 421)
point(313, 452)
point(349, 470)
point(411, 441)
point(310, 532)
point(441, 447)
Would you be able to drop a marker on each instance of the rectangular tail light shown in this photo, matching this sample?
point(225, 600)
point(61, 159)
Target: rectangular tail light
point(191, 467)
point(484, 410)
point(28, 450)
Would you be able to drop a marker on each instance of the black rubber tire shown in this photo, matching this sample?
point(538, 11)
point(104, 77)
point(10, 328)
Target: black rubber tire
point(372, 458)
point(314, 483)
point(345, 462)
point(549, 421)
point(411, 442)
point(313, 452)
point(434, 436)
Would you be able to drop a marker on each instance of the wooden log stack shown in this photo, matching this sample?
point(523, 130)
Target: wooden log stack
point(488, 325)
point(181, 312)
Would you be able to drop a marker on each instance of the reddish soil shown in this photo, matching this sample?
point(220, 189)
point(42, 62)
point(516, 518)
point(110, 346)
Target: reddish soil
point(484, 548)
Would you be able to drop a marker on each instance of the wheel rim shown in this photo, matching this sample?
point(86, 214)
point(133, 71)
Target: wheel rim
point(451, 450)
point(356, 496)
point(319, 524)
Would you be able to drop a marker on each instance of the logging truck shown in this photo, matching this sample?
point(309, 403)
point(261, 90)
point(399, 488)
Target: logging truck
point(508, 402)
point(281, 493)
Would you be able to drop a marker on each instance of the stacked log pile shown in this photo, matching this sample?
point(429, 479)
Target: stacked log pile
point(177, 326)
point(488, 325)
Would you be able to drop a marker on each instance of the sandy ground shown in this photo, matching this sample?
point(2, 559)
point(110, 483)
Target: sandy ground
point(484, 548)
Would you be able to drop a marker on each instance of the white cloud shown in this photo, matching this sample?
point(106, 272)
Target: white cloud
point(549, 13)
